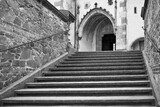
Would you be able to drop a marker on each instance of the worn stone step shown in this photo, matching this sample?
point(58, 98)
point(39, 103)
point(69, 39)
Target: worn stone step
point(106, 54)
point(98, 72)
point(103, 55)
point(83, 100)
point(110, 52)
point(138, 67)
point(78, 106)
point(101, 64)
point(102, 61)
point(85, 91)
point(144, 83)
point(91, 78)
point(104, 58)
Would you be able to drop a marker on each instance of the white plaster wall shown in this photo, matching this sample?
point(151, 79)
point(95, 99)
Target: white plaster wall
point(67, 5)
point(135, 22)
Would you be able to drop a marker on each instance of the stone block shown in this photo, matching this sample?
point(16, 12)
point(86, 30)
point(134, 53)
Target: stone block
point(26, 26)
point(17, 56)
point(3, 60)
point(17, 21)
point(46, 59)
point(4, 8)
point(12, 50)
point(6, 70)
point(46, 50)
point(18, 63)
point(10, 36)
point(5, 65)
point(8, 56)
point(3, 40)
point(7, 83)
point(3, 47)
point(1, 85)
point(32, 64)
point(2, 32)
point(26, 54)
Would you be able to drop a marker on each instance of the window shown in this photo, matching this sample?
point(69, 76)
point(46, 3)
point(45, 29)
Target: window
point(135, 10)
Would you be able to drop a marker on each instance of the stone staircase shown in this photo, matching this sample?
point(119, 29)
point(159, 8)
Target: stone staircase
point(110, 79)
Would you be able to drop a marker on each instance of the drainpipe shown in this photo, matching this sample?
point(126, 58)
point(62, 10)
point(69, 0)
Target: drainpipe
point(115, 20)
point(75, 25)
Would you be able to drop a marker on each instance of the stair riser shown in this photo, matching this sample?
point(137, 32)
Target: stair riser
point(97, 68)
point(98, 65)
point(86, 93)
point(97, 56)
point(85, 73)
point(107, 53)
point(101, 61)
point(90, 79)
point(84, 102)
point(104, 58)
point(87, 85)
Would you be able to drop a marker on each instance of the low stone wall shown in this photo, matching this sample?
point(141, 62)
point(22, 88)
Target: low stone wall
point(23, 24)
point(18, 62)
point(152, 27)
point(152, 38)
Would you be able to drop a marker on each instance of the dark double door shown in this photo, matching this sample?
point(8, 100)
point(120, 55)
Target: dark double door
point(108, 41)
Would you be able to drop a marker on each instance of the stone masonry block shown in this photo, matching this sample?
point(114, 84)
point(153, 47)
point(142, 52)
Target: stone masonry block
point(32, 64)
point(18, 63)
point(26, 54)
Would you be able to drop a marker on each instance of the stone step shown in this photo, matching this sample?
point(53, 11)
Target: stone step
point(83, 100)
point(138, 67)
point(102, 61)
point(107, 55)
point(101, 64)
point(85, 91)
point(110, 52)
point(104, 58)
point(97, 73)
point(144, 83)
point(91, 78)
point(77, 106)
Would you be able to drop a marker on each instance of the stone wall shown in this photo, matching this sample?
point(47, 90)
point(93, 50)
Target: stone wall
point(30, 36)
point(152, 35)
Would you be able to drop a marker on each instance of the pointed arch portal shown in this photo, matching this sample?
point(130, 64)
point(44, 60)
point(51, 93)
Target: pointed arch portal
point(97, 31)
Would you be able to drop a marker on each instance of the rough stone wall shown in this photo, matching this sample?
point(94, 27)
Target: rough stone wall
point(152, 26)
point(23, 21)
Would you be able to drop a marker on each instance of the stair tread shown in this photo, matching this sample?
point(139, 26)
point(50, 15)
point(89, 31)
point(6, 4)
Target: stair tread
point(100, 67)
point(89, 82)
point(104, 58)
point(101, 61)
point(84, 89)
point(78, 106)
point(99, 56)
point(102, 76)
point(103, 64)
point(60, 98)
point(97, 71)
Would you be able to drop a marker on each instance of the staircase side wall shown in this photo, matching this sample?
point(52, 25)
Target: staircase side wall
point(23, 21)
point(152, 33)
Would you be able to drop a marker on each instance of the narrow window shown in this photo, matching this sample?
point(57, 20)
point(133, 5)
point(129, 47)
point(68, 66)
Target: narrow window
point(135, 10)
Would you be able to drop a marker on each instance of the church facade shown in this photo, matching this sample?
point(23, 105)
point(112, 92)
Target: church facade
point(117, 22)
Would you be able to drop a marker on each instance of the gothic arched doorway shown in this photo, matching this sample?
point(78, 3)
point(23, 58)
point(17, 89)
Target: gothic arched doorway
point(93, 29)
